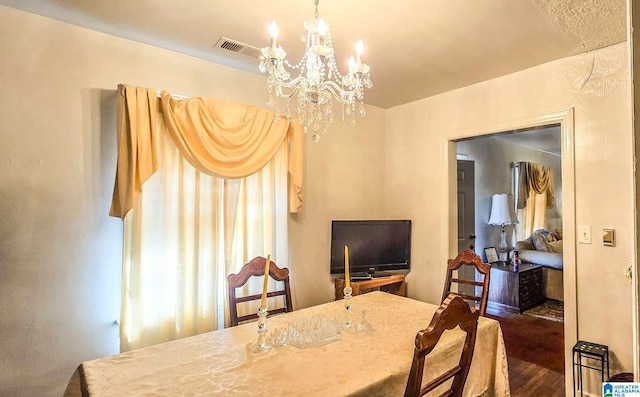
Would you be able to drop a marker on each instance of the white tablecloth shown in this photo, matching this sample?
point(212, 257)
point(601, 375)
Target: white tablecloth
point(221, 363)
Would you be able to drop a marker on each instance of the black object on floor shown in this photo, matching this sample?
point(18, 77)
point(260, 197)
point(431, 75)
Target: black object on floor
point(588, 350)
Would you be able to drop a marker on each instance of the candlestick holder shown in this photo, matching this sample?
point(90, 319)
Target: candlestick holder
point(261, 345)
point(364, 327)
point(348, 323)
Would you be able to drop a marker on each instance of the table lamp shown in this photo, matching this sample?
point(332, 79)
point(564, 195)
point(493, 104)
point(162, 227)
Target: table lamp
point(501, 215)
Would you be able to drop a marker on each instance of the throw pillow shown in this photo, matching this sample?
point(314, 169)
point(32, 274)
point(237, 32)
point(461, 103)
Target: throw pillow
point(540, 242)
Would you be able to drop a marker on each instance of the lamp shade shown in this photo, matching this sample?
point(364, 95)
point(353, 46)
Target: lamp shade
point(501, 214)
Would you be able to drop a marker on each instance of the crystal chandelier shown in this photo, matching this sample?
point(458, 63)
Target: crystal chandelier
point(318, 80)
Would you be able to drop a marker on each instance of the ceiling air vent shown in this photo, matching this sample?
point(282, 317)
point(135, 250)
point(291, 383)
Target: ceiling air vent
point(238, 47)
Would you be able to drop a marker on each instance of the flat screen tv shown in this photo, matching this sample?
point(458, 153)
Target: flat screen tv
point(374, 245)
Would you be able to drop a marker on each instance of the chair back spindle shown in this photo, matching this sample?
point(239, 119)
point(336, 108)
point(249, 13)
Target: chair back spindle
point(453, 312)
point(255, 268)
point(468, 258)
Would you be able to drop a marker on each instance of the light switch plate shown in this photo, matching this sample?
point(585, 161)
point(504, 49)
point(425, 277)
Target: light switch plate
point(609, 237)
point(584, 234)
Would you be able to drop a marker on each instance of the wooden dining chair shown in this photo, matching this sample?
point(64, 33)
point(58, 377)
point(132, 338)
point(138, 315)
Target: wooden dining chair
point(453, 312)
point(256, 268)
point(469, 259)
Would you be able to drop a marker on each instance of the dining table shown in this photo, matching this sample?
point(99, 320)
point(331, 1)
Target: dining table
point(371, 358)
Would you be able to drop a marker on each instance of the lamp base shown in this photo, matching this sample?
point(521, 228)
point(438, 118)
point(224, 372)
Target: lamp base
point(502, 254)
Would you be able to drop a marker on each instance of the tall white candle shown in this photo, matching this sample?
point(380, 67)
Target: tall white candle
point(346, 267)
point(263, 303)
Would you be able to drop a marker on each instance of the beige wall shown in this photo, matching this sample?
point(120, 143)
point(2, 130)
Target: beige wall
point(416, 160)
point(60, 253)
point(344, 179)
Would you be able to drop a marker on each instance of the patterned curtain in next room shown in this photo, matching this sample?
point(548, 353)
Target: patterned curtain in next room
point(535, 192)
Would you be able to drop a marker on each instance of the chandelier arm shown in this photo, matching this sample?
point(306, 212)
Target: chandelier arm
point(336, 90)
point(339, 93)
point(293, 83)
point(283, 95)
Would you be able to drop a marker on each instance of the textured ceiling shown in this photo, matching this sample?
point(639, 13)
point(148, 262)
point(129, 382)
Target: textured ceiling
point(416, 48)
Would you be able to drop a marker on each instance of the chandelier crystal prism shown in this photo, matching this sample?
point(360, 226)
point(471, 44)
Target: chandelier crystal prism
point(318, 79)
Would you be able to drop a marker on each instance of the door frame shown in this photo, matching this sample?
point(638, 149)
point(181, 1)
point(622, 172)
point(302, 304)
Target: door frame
point(470, 200)
point(566, 120)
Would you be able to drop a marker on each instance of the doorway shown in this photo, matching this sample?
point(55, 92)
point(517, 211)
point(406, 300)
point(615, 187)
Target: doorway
point(466, 221)
point(524, 301)
point(565, 120)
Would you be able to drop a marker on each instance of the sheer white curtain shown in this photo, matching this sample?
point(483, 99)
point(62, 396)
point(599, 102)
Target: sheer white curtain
point(185, 234)
point(533, 216)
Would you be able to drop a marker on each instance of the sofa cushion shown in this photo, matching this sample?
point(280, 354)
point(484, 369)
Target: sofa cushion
point(548, 251)
point(548, 259)
point(524, 245)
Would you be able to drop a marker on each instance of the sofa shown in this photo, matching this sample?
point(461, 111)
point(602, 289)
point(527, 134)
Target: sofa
point(545, 248)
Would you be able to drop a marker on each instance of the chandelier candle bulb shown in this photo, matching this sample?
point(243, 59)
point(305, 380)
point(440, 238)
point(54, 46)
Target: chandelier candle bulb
point(359, 51)
point(322, 30)
point(273, 31)
point(352, 66)
point(263, 302)
point(347, 278)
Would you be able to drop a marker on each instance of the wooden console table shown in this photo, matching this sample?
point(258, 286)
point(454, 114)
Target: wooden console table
point(394, 284)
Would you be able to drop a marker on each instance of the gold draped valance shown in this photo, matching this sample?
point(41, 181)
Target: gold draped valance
point(217, 137)
point(537, 178)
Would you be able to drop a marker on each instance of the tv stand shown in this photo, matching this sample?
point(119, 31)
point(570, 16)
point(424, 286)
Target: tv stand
point(394, 284)
point(360, 278)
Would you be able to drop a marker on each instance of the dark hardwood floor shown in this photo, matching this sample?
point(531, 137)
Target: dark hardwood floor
point(528, 379)
point(535, 352)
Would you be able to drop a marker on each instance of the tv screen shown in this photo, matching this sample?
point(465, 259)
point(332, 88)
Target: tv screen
point(374, 245)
